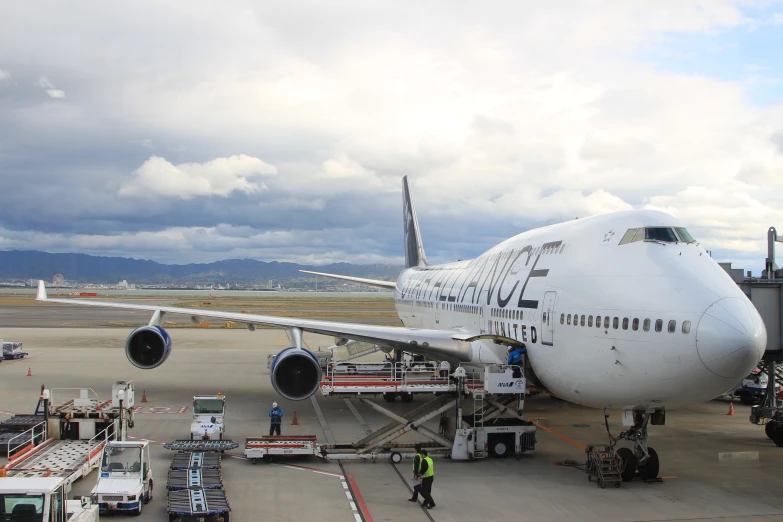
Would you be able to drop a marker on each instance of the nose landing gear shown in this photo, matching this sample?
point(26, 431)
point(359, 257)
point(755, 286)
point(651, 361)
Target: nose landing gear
point(642, 460)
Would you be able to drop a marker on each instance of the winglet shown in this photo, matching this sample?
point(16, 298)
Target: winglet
point(41, 291)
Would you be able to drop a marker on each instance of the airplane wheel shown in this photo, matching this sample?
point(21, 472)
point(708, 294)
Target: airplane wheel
point(651, 468)
point(769, 428)
point(395, 458)
point(627, 464)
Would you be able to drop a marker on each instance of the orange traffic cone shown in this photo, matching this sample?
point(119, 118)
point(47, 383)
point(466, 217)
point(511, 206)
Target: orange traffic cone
point(29, 372)
point(295, 421)
point(731, 411)
point(144, 396)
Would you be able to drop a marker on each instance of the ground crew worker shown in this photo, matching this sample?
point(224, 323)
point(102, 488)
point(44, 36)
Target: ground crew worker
point(416, 466)
point(275, 419)
point(516, 357)
point(427, 472)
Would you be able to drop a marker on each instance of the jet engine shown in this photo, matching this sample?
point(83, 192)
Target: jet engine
point(148, 346)
point(295, 373)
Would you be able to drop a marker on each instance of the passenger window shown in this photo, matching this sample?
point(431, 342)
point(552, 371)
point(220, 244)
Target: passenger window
point(635, 325)
point(606, 322)
point(625, 323)
point(672, 326)
point(576, 319)
point(598, 321)
point(583, 320)
point(589, 321)
point(646, 325)
point(686, 327)
point(569, 318)
point(615, 323)
point(658, 325)
point(562, 318)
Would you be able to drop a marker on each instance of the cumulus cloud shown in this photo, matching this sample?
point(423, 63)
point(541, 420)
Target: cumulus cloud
point(505, 119)
point(5, 76)
point(218, 177)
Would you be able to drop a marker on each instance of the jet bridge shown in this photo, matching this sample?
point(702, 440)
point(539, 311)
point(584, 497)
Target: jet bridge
point(766, 294)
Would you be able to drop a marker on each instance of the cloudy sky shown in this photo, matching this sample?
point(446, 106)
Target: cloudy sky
point(280, 130)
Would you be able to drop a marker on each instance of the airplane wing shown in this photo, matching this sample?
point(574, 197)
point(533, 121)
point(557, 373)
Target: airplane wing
point(433, 343)
point(391, 285)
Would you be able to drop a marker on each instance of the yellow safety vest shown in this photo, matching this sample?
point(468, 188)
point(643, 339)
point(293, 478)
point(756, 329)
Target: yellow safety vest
point(430, 468)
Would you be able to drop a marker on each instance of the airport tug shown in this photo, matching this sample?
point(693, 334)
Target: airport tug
point(209, 416)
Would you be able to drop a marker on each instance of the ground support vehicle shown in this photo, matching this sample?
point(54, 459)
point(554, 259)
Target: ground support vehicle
point(12, 351)
point(195, 488)
point(194, 478)
point(125, 482)
point(603, 465)
point(266, 447)
point(195, 460)
point(198, 504)
point(494, 428)
point(42, 499)
point(209, 415)
point(47, 450)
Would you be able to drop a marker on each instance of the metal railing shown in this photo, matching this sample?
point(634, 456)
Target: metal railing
point(27, 438)
point(383, 374)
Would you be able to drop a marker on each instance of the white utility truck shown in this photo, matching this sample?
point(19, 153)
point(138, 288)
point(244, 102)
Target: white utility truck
point(209, 415)
point(125, 482)
point(42, 499)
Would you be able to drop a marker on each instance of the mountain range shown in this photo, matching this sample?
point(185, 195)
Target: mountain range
point(33, 264)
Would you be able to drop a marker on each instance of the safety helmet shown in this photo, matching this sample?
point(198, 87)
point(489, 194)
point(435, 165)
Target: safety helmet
point(274, 405)
point(510, 349)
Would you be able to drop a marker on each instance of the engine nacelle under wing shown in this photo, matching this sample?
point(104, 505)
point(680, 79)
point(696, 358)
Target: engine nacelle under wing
point(295, 373)
point(148, 347)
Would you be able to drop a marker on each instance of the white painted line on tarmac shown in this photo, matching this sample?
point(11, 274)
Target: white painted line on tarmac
point(353, 506)
point(357, 517)
point(345, 485)
point(348, 495)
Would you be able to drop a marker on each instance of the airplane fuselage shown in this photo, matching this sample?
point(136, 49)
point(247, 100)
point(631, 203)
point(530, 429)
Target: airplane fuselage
point(644, 323)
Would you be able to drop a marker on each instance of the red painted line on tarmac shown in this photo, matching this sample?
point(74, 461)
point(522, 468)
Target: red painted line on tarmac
point(359, 500)
point(561, 436)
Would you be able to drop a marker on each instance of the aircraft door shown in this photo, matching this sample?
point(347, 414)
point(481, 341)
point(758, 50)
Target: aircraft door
point(548, 318)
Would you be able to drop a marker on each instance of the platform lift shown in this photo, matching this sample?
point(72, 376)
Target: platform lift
point(68, 440)
point(495, 426)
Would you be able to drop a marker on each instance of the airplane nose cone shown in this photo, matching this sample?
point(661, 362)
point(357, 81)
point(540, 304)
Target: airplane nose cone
point(731, 337)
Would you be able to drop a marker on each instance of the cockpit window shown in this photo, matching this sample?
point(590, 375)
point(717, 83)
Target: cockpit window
point(684, 235)
point(664, 234)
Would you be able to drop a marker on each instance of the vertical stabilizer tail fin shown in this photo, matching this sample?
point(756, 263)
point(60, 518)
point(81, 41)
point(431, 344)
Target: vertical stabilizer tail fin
point(414, 250)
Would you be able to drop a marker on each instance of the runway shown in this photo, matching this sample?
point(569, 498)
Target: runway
point(715, 467)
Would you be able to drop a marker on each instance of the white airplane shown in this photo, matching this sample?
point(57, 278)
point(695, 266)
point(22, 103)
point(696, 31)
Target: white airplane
point(622, 310)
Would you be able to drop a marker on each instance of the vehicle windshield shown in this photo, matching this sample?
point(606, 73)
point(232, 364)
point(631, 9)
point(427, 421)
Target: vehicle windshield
point(18, 507)
point(118, 459)
point(208, 406)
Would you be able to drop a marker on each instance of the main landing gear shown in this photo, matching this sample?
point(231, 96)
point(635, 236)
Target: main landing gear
point(642, 460)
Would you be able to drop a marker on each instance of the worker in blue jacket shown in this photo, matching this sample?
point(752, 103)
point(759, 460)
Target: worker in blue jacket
point(516, 357)
point(275, 419)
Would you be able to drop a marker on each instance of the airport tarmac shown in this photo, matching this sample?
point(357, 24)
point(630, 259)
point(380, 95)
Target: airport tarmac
point(715, 467)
